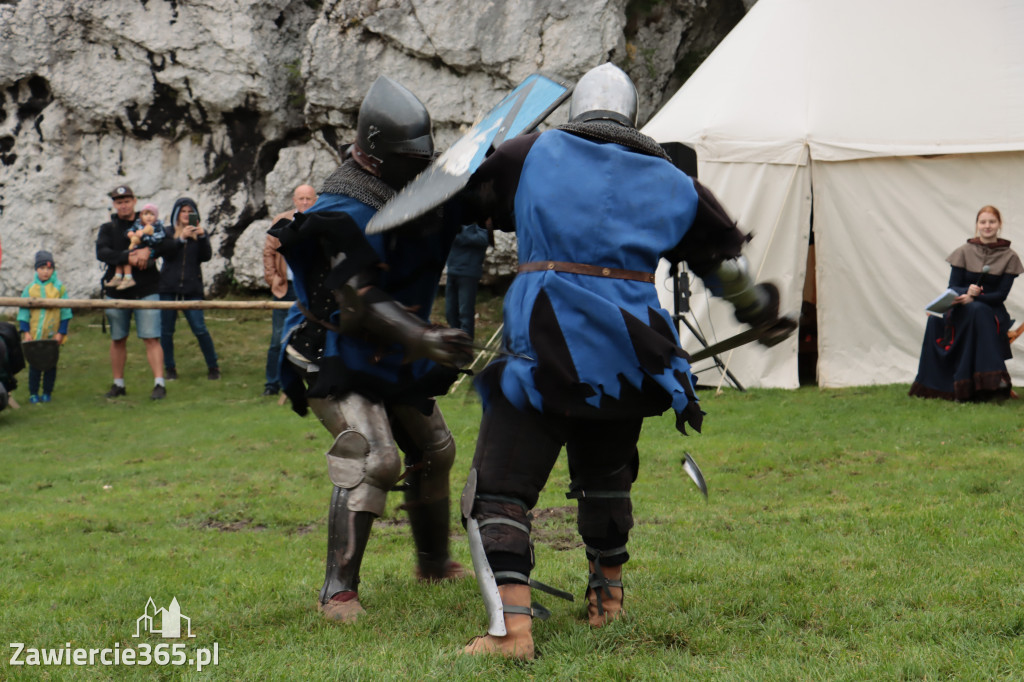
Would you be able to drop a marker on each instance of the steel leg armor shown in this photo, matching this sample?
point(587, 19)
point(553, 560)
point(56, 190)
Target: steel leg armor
point(430, 452)
point(363, 458)
point(347, 535)
point(491, 521)
point(363, 464)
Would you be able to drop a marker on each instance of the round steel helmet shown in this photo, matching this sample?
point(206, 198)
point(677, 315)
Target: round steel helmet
point(394, 130)
point(604, 93)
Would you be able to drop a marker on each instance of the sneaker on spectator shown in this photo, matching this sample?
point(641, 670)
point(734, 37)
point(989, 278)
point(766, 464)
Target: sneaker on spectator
point(45, 398)
point(159, 392)
point(33, 399)
point(116, 391)
point(170, 373)
point(213, 374)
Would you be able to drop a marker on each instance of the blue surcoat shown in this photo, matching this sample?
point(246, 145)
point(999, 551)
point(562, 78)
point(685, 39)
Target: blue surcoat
point(413, 265)
point(636, 207)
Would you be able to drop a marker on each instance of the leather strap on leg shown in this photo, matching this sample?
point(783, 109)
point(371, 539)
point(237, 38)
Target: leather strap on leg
point(598, 582)
point(535, 610)
point(536, 584)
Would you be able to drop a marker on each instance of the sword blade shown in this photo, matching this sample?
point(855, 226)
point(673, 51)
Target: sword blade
point(743, 338)
point(485, 580)
point(693, 471)
point(499, 351)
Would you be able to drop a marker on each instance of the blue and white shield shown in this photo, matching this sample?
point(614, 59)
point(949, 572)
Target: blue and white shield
point(521, 111)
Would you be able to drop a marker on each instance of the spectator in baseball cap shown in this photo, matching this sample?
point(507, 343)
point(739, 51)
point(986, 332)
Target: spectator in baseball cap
point(114, 248)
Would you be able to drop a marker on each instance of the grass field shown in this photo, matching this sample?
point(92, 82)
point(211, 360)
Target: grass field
point(850, 535)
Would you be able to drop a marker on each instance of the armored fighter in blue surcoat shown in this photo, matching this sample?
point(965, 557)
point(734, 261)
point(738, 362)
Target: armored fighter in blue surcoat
point(595, 205)
point(360, 352)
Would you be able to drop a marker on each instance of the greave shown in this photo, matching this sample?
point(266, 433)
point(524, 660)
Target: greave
point(430, 526)
point(347, 535)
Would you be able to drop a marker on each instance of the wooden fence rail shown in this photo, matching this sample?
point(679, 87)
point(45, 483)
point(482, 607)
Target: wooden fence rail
point(92, 303)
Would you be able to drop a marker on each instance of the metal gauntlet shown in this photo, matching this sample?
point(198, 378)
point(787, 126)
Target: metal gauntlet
point(754, 303)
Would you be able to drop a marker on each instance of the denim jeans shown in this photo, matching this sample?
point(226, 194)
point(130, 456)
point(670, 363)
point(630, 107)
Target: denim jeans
point(195, 321)
point(460, 302)
point(147, 322)
point(277, 319)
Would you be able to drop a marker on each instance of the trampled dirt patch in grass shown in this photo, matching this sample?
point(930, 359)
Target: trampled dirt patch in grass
point(231, 526)
point(556, 528)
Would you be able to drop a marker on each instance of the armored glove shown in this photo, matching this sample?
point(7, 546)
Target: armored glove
point(450, 347)
point(756, 304)
point(760, 303)
point(387, 319)
point(778, 331)
point(765, 312)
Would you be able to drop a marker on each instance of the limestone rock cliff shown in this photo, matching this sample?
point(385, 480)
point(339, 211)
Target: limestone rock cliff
point(234, 102)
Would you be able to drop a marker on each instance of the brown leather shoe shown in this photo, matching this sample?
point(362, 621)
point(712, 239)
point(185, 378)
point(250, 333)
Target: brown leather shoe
point(453, 570)
point(518, 639)
point(343, 607)
point(604, 602)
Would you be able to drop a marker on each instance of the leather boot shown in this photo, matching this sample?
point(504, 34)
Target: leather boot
point(450, 570)
point(518, 640)
point(344, 607)
point(430, 526)
point(604, 595)
point(347, 535)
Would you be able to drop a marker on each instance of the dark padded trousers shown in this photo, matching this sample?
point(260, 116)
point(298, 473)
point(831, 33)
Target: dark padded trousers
point(515, 453)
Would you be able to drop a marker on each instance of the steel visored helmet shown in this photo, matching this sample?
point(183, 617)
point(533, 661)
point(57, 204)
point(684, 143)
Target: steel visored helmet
point(394, 130)
point(604, 93)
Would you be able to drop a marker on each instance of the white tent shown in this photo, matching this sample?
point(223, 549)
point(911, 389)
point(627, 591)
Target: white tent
point(886, 122)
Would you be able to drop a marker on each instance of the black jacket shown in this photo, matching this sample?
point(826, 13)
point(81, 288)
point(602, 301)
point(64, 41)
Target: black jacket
point(112, 248)
point(182, 273)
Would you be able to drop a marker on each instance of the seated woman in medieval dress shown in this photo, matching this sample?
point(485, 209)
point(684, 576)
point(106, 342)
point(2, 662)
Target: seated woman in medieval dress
point(964, 353)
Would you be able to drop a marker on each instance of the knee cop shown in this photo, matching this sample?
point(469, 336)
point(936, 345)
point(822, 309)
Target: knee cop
point(363, 458)
point(433, 442)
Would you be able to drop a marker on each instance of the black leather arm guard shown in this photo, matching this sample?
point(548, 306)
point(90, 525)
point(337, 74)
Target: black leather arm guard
point(372, 310)
point(352, 303)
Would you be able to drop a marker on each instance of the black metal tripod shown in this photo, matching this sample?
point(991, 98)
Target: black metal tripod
point(680, 308)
